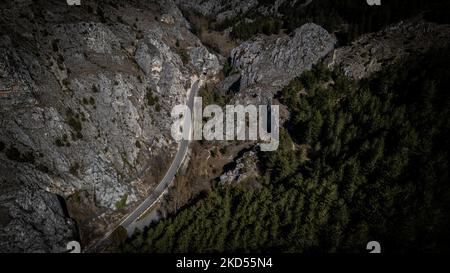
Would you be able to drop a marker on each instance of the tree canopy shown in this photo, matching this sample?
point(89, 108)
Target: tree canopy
point(358, 161)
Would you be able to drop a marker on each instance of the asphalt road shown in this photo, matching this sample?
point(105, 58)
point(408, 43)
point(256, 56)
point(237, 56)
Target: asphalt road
point(171, 172)
point(183, 148)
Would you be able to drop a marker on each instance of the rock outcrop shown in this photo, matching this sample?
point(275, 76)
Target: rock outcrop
point(372, 52)
point(245, 168)
point(85, 100)
point(86, 94)
point(268, 63)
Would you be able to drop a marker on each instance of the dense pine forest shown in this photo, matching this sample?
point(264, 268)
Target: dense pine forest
point(357, 162)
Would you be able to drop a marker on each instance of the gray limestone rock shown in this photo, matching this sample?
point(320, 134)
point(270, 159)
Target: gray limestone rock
point(245, 168)
point(85, 100)
point(372, 52)
point(267, 64)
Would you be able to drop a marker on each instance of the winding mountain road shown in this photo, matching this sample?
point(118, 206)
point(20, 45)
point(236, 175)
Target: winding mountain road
point(171, 172)
point(128, 221)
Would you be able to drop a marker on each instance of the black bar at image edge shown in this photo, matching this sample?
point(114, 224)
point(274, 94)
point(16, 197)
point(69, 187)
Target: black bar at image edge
point(222, 262)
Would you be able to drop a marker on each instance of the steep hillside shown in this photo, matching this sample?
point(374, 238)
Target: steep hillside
point(86, 94)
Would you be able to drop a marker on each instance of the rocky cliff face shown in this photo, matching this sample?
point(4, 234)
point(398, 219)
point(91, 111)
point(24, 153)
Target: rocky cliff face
point(372, 52)
point(268, 63)
point(85, 100)
point(86, 94)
